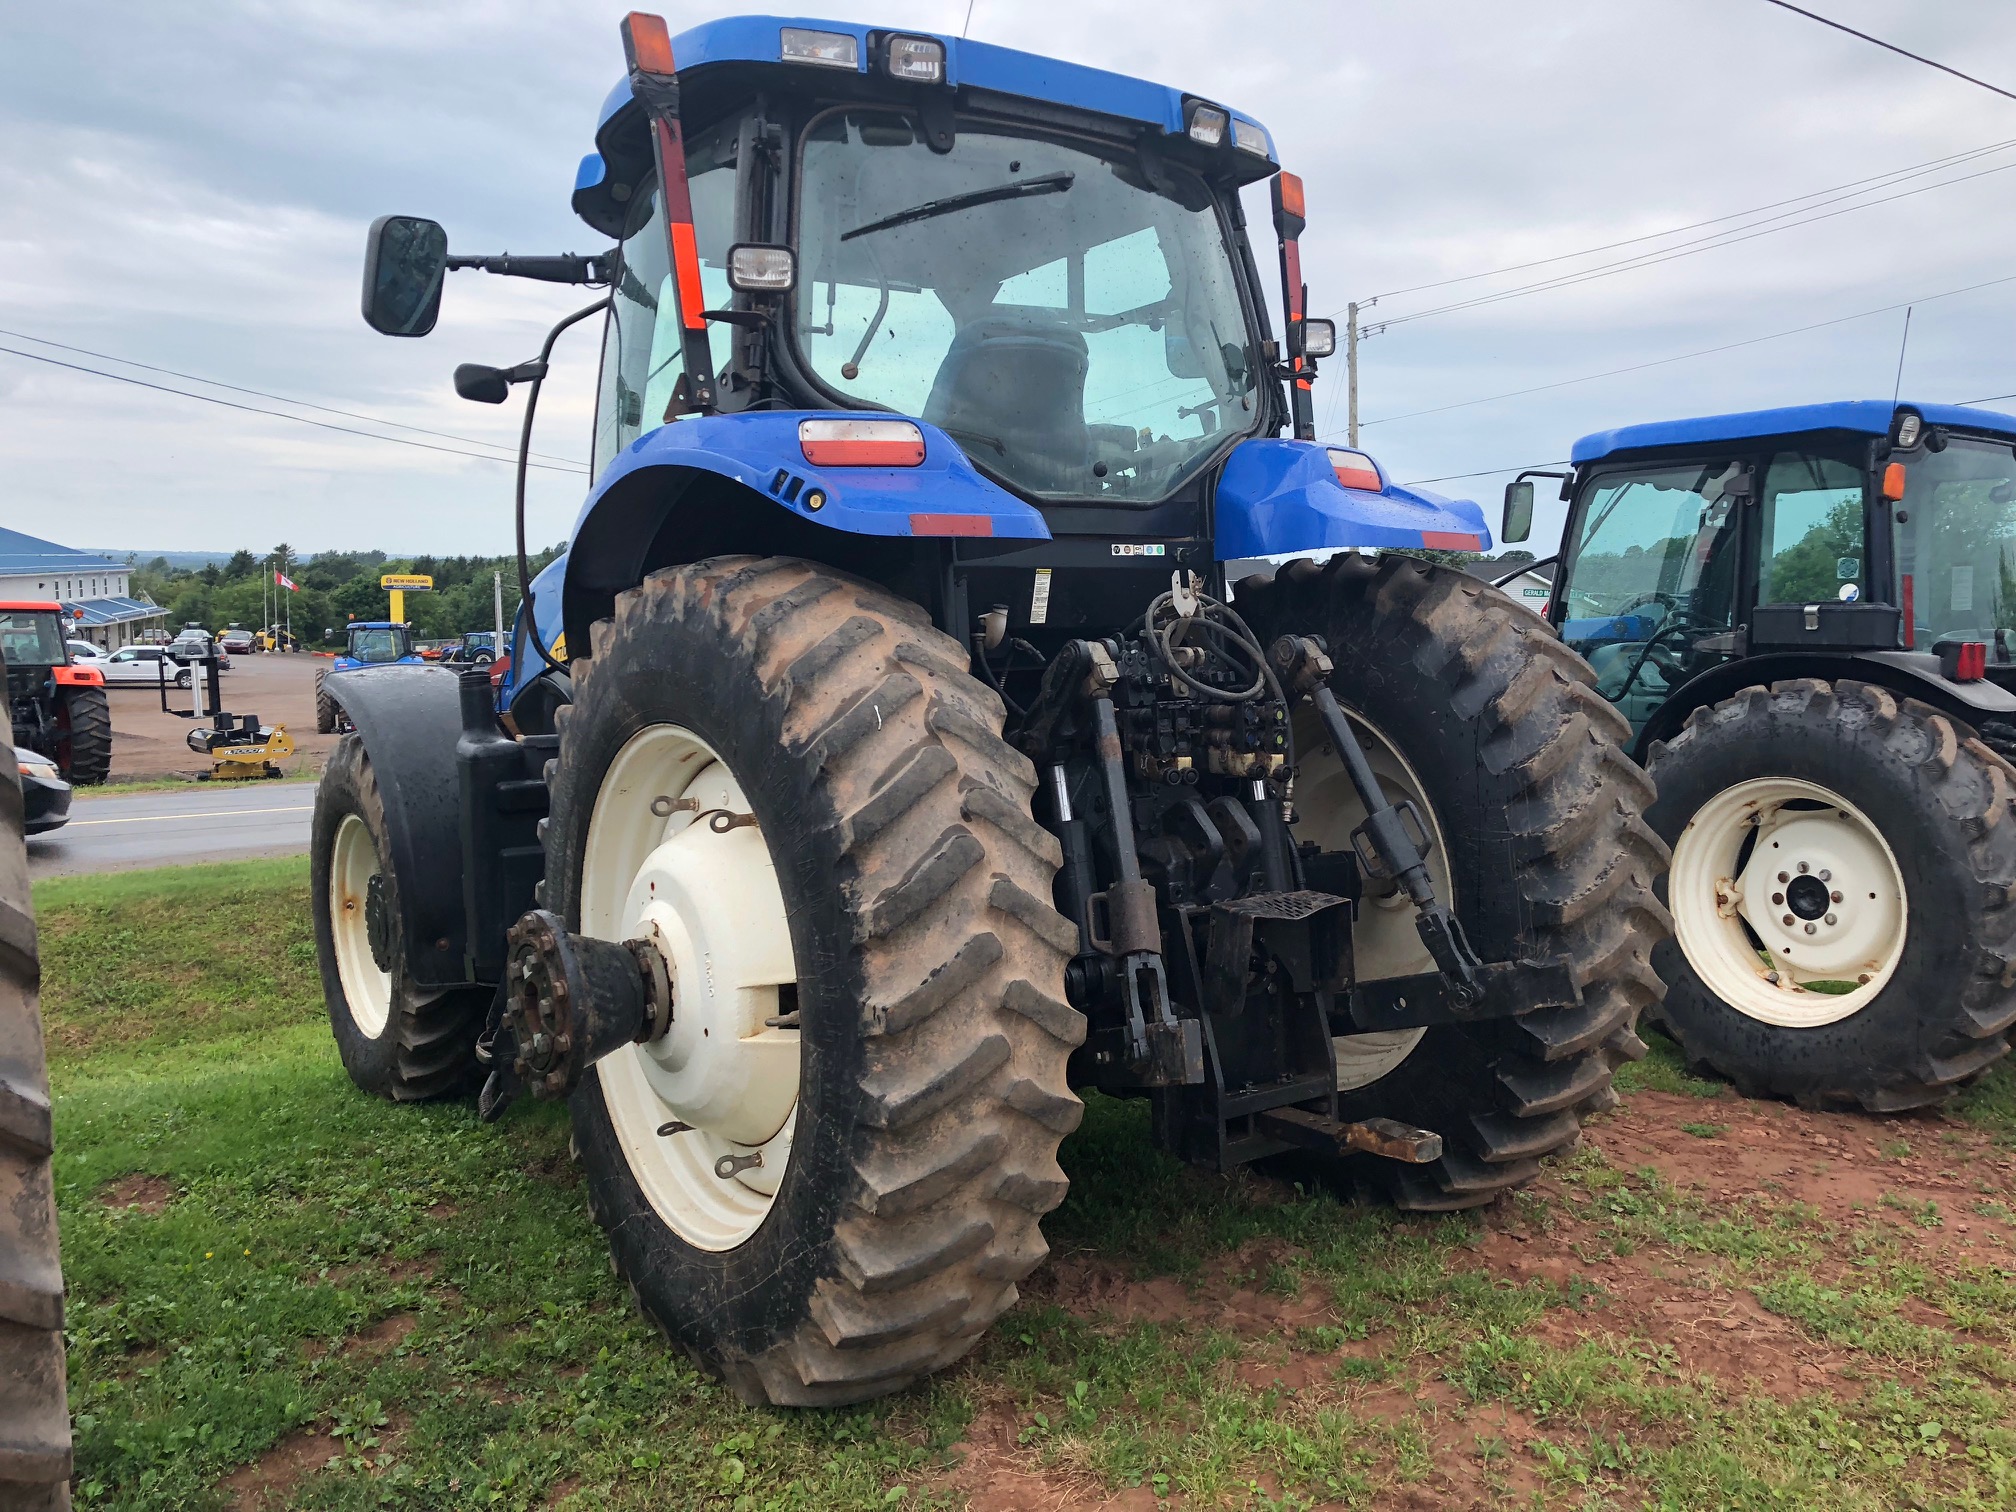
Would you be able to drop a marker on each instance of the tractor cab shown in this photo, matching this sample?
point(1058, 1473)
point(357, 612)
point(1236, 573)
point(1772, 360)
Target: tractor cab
point(57, 708)
point(377, 644)
point(1855, 529)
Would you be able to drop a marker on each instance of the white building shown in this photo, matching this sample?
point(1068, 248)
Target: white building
point(96, 592)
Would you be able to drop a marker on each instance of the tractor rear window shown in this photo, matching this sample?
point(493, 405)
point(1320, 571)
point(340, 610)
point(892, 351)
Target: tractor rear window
point(1956, 541)
point(1076, 329)
point(31, 638)
point(377, 645)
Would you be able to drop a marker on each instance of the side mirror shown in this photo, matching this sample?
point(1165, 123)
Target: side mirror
point(486, 385)
point(405, 259)
point(1517, 523)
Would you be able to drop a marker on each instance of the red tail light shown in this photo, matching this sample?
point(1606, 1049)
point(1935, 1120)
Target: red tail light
point(861, 443)
point(1355, 469)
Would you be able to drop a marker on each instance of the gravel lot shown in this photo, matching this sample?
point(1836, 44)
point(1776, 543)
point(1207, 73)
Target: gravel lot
point(277, 686)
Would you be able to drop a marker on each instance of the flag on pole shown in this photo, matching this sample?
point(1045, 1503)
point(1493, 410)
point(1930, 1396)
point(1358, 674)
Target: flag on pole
point(285, 582)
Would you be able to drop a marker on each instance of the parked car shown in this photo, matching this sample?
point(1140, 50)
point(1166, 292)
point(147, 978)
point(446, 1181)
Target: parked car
point(85, 651)
point(237, 642)
point(45, 796)
point(141, 664)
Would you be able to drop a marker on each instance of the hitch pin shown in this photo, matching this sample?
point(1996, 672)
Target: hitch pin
point(728, 1167)
point(665, 808)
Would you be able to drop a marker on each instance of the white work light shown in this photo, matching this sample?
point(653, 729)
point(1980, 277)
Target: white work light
point(1319, 338)
point(1207, 124)
point(916, 60)
point(1909, 427)
point(824, 48)
point(1249, 138)
point(757, 269)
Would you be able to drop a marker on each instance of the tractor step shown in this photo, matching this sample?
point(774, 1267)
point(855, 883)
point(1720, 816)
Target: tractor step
point(1372, 1136)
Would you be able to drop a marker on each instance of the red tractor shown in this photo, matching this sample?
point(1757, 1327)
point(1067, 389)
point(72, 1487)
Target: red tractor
point(58, 708)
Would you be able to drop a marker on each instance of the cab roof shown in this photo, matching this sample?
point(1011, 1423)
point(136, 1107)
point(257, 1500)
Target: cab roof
point(26, 606)
point(968, 65)
point(1866, 417)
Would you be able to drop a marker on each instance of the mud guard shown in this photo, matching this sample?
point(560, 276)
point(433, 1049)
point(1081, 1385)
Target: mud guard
point(409, 718)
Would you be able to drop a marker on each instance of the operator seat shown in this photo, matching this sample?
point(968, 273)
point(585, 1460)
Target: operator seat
point(1018, 377)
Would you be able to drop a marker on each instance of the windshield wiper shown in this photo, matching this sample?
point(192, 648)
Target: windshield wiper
point(1047, 183)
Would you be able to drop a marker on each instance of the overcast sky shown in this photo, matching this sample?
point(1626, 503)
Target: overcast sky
point(188, 185)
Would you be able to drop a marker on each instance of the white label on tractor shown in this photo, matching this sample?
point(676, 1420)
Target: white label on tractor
point(1963, 587)
point(1134, 548)
point(1039, 598)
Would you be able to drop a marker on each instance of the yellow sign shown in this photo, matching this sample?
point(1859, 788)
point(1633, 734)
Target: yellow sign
point(407, 582)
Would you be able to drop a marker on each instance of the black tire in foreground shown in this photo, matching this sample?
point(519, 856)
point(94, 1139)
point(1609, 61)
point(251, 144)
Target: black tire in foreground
point(83, 735)
point(397, 1040)
point(34, 1419)
point(1522, 762)
point(1944, 805)
point(931, 1094)
point(325, 706)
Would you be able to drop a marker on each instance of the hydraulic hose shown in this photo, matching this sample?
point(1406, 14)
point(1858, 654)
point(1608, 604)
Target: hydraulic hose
point(524, 457)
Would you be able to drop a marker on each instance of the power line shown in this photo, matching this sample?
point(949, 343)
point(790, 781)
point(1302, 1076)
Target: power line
point(252, 409)
point(1895, 175)
point(1733, 237)
point(1989, 400)
point(1890, 46)
point(1684, 356)
point(1489, 472)
point(281, 398)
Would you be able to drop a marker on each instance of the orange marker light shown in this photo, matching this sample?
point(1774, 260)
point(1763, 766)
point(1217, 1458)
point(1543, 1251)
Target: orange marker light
point(1893, 482)
point(647, 45)
point(1291, 195)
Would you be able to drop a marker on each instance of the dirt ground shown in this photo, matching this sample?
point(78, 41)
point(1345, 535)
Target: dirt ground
point(278, 687)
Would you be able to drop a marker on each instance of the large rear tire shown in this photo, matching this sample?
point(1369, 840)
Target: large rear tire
point(83, 735)
point(34, 1421)
point(896, 888)
point(1470, 706)
point(325, 706)
point(398, 1040)
point(1900, 827)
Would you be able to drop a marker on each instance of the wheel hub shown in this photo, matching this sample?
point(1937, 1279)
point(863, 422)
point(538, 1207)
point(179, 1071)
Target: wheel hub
point(1806, 896)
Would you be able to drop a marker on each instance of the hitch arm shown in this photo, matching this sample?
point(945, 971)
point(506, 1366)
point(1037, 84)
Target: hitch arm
point(1385, 844)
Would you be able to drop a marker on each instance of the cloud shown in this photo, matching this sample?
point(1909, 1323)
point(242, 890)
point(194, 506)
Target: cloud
point(196, 197)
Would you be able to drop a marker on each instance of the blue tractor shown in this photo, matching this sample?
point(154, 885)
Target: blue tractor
point(367, 643)
point(891, 757)
point(1802, 613)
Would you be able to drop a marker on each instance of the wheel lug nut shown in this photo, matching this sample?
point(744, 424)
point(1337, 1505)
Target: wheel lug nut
point(1828, 920)
point(1784, 876)
point(1803, 868)
point(1810, 929)
point(1789, 921)
point(1835, 896)
point(1778, 899)
point(1826, 875)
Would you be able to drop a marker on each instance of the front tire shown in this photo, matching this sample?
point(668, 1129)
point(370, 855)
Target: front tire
point(911, 894)
point(1468, 704)
point(1902, 828)
point(325, 706)
point(398, 1040)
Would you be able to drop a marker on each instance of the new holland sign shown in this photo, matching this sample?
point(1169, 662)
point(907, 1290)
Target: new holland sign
point(407, 582)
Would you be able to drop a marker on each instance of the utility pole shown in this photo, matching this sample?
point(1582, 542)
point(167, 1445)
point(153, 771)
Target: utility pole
point(497, 596)
point(1351, 374)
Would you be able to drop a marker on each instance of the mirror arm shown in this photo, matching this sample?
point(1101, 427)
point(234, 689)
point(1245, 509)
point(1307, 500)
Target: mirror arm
point(567, 268)
point(1541, 472)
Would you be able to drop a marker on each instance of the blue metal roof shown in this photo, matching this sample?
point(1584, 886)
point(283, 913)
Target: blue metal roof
point(973, 65)
point(111, 611)
point(21, 553)
point(1868, 417)
point(976, 65)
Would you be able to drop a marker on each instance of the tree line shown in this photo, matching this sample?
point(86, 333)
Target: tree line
point(333, 588)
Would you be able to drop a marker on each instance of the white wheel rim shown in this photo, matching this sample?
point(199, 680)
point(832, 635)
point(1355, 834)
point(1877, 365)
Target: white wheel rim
point(1840, 877)
point(712, 901)
point(1385, 942)
point(367, 988)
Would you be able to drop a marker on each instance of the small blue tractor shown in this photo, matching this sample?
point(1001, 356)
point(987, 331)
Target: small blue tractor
point(368, 643)
point(890, 757)
point(1805, 614)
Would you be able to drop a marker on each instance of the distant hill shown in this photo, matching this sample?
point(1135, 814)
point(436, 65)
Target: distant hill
point(188, 561)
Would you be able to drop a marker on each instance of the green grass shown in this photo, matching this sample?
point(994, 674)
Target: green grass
point(191, 784)
point(426, 1295)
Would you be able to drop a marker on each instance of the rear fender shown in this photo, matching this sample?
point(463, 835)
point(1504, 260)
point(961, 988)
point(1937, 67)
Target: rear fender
point(728, 484)
point(1905, 673)
point(1277, 497)
point(409, 718)
point(78, 677)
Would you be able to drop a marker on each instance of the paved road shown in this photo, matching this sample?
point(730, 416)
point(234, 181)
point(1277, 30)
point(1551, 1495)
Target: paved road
point(171, 829)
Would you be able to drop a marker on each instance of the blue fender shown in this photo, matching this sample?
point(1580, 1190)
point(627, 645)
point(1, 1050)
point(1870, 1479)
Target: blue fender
point(1278, 496)
point(943, 496)
point(546, 616)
